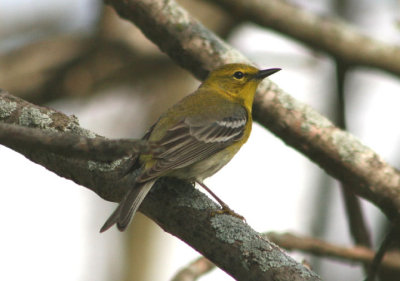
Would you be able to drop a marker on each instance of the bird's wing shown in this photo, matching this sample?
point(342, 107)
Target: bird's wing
point(191, 141)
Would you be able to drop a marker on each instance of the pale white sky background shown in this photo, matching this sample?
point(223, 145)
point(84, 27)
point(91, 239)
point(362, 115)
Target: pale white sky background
point(50, 225)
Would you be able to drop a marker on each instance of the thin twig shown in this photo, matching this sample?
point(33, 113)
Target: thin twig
point(321, 248)
point(304, 244)
point(194, 270)
point(356, 221)
point(378, 258)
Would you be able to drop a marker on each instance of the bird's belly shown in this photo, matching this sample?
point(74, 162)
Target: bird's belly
point(205, 168)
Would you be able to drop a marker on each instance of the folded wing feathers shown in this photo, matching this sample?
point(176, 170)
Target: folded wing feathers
point(220, 131)
point(187, 143)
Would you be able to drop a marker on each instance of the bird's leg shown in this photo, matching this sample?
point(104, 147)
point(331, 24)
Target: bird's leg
point(225, 207)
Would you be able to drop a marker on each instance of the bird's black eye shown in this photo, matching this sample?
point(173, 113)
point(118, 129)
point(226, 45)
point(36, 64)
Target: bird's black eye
point(238, 75)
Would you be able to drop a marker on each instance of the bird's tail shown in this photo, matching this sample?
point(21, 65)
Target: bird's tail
point(127, 208)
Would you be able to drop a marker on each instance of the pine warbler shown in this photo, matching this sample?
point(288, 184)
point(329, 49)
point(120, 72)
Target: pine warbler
point(199, 135)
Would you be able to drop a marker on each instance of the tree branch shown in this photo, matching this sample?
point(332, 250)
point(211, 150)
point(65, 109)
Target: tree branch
point(309, 245)
point(339, 153)
point(321, 248)
point(98, 176)
point(382, 252)
point(175, 205)
point(324, 33)
point(70, 145)
point(352, 203)
point(194, 270)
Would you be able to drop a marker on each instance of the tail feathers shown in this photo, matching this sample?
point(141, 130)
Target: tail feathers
point(133, 200)
point(127, 208)
point(112, 219)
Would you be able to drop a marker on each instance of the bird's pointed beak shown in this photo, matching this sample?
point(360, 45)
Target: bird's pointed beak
point(266, 72)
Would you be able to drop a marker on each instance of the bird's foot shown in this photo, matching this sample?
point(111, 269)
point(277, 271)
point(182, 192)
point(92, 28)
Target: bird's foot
point(228, 211)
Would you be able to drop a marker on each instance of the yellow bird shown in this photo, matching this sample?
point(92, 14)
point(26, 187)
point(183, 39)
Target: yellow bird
point(198, 135)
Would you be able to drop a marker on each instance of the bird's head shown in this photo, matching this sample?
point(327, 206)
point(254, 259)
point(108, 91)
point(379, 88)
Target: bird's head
point(237, 80)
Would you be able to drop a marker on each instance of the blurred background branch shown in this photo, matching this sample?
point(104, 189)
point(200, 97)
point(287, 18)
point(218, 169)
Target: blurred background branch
point(292, 242)
point(323, 33)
